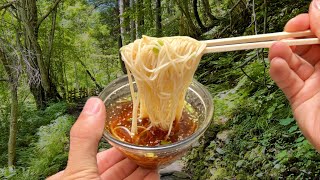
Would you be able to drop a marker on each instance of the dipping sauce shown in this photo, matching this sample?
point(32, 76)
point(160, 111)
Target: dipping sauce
point(119, 120)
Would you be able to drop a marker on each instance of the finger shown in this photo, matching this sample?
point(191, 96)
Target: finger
point(286, 79)
point(152, 176)
point(85, 135)
point(312, 54)
point(56, 176)
point(304, 22)
point(120, 170)
point(139, 173)
point(301, 67)
point(299, 23)
point(108, 158)
point(314, 12)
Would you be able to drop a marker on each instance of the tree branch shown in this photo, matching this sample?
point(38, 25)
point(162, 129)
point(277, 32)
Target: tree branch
point(53, 6)
point(249, 76)
point(5, 80)
point(196, 14)
point(91, 76)
point(235, 5)
point(7, 5)
point(207, 9)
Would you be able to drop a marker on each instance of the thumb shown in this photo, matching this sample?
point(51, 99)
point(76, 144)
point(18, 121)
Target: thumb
point(314, 12)
point(85, 135)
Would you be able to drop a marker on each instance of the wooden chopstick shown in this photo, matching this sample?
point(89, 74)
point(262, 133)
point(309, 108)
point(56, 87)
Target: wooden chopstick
point(257, 38)
point(259, 41)
point(257, 45)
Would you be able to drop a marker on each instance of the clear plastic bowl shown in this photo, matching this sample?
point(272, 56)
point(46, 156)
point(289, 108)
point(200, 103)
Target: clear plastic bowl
point(159, 156)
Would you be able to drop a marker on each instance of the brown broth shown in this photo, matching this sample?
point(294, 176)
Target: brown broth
point(118, 123)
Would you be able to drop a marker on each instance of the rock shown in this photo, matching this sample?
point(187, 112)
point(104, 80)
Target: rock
point(224, 136)
point(220, 151)
point(294, 170)
point(176, 176)
point(174, 167)
point(222, 120)
point(196, 144)
point(174, 171)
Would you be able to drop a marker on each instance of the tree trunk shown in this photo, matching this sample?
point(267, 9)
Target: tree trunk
point(33, 70)
point(13, 123)
point(65, 80)
point(132, 26)
point(121, 18)
point(139, 19)
point(196, 14)
point(76, 76)
point(51, 37)
point(123, 67)
point(30, 22)
point(28, 14)
point(183, 7)
point(158, 18)
point(207, 9)
point(13, 76)
point(265, 16)
point(148, 14)
point(117, 11)
point(169, 8)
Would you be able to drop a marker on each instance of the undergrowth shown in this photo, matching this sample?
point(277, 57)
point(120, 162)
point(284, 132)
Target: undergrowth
point(46, 156)
point(254, 134)
point(42, 143)
point(28, 123)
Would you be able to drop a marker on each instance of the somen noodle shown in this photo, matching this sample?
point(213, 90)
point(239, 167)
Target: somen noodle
point(163, 69)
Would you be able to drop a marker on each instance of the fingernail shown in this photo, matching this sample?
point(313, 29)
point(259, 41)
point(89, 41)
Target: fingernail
point(316, 3)
point(92, 106)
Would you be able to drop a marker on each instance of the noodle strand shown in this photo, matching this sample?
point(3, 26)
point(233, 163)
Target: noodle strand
point(163, 69)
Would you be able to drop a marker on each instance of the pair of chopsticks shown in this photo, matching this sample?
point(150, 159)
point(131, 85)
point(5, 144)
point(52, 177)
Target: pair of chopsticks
point(259, 41)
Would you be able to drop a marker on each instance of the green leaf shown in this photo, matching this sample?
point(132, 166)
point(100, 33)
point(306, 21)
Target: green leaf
point(271, 109)
point(300, 139)
point(240, 163)
point(293, 128)
point(282, 154)
point(260, 175)
point(285, 122)
point(277, 166)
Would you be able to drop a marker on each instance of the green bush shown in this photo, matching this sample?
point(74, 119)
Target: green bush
point(51, 148)
point(28, 124)
point(263, 140)
point(48, 155)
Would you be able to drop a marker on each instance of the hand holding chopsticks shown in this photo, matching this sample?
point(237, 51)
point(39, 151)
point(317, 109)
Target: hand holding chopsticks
point(259, 41)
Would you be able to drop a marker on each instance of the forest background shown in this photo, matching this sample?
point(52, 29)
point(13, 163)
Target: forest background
point(56, 53)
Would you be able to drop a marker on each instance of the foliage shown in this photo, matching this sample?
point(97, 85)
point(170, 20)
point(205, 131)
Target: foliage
point(259, 139)
point(50, 149)
point(253, 135)
point(28, 124)
point(46, 156)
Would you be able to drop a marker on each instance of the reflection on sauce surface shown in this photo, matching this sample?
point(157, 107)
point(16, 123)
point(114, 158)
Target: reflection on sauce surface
point(118, 123)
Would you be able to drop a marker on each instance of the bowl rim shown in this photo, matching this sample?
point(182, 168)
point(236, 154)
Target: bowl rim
point(187, 140)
